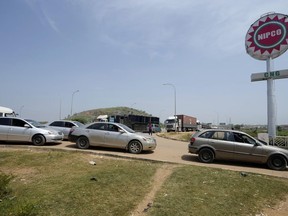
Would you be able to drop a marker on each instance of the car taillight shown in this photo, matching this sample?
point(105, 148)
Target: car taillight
point(192, 140)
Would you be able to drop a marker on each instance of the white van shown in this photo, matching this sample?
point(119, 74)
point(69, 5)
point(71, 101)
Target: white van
point(4, 111)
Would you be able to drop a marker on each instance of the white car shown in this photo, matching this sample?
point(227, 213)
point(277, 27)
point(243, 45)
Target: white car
point(113, 135)
point(20, 130)
point(64, 126)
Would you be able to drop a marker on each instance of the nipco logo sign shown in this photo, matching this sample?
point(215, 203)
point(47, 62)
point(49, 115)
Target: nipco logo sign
point(268, 37)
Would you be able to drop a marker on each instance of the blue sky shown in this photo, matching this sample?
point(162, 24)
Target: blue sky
point(121, 52)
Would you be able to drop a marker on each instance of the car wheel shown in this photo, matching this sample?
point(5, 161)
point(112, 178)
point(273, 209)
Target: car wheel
point(277, 162)
point(82, 142)
point(38, 140)
point(135, 147)
point(206, 155)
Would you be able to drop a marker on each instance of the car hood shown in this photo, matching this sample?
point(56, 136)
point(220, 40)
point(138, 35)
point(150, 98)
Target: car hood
point(147, 136)
point(275, 148)
point(51, 130)
point(143, 134)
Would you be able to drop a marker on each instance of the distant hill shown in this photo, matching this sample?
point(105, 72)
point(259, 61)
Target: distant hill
point(91, 115)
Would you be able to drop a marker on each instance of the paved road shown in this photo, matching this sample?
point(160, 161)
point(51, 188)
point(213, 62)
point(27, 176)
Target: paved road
point(170, 151)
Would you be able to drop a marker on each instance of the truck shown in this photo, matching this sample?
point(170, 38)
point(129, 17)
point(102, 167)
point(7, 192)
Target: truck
point(181, 123)
point(5, 111)
point(138, 123)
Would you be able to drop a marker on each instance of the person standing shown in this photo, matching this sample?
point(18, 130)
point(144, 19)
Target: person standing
point(150, 128)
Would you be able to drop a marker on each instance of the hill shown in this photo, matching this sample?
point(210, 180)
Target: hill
point(91, 115)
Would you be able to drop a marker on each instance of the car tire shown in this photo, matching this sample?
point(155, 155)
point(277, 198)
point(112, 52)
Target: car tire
point(38, 140)
point(277, 162)
point(135, 147)
point(82, 142)
point(206, 155)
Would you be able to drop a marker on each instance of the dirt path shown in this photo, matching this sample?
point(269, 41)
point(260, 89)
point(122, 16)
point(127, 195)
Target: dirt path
point(166, 170)
point(279, 210)
point(159, 178)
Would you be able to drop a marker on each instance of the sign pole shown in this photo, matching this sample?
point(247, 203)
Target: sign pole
point(266, 39)
point(271, 103)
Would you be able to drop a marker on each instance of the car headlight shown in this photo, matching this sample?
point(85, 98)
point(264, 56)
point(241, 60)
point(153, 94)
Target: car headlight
point(147, 139)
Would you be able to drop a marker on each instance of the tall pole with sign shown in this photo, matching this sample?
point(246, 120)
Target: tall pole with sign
point(266, 39)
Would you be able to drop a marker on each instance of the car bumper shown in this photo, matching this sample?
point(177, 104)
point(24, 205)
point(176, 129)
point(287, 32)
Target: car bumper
point(72, 138)
point(149, 145)
point(192, 149)
point(54, 138)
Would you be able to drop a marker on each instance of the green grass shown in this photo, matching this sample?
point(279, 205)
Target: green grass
point(53, 183)
point(206, 191)
point(64, 183)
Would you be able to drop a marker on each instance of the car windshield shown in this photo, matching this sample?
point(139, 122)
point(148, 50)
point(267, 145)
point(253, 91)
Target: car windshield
point(126, 128)
point(79, 124)
point(35, 123)
point(262, 141)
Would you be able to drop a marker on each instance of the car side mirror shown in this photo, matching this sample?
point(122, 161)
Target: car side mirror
point(27, 126)
point(257, 144)
point(121, 130)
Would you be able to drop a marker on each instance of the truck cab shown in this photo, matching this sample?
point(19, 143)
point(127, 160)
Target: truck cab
point(6, 112)
point(171, 124)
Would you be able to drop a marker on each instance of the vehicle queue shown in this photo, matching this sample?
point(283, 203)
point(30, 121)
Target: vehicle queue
point(209, 145)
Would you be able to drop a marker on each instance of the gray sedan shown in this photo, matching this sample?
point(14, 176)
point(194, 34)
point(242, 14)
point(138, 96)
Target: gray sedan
point(236, 145)
point(114, 135)
point(21, 130)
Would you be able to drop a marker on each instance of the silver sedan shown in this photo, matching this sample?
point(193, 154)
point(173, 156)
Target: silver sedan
point(64, 126)
point(21, 130)
point(114, 135)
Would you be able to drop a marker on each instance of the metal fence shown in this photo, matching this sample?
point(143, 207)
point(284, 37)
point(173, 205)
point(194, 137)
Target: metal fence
point(280, 141)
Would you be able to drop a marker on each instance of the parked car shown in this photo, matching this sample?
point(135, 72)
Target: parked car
point(236, 145)
point(21, 130)
point(64, 126)
point(114, 135)
point(155, 128)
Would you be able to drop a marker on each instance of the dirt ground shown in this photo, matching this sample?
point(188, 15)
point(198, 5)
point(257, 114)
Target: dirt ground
point(159, 178)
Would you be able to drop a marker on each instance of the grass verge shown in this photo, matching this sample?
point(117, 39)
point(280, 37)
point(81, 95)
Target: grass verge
point(65, 183)
point(209, 191)
point(60, 183)
point(181, 136)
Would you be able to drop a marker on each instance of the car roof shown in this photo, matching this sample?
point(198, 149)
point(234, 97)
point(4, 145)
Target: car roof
point(105, 123)
point(115, 123)
point(63, 121)
point(219, 129)
point(12, 117)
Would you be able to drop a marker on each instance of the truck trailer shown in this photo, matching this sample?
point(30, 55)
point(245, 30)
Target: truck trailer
point(138, 123)
point(181, 123)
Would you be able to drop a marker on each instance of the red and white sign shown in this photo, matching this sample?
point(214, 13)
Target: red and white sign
point(268, 37)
